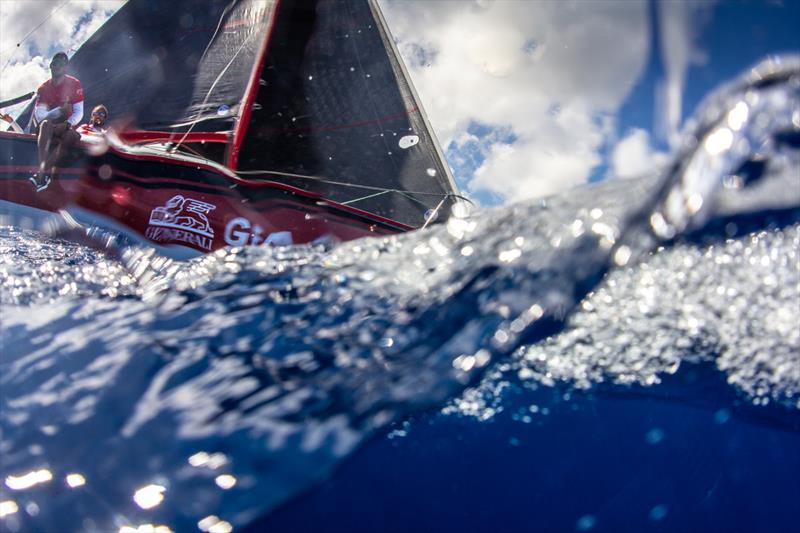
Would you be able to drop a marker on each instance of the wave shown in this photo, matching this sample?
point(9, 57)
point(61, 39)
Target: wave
point(218, 388)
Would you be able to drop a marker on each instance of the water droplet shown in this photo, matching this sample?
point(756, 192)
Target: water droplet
point(738, 116)
point(509, 256)
point(225, 481)
point(105, 172)
point(694, 203)
point(213, 524)
point(149, 496)
point(719, 141)
point(722, 416)
point(29, 479)
point(654, 436)
point(658, 512)
point(7, 508)
point(464, 363)
point(622, 256)
point(75, 480)
point(585, 523)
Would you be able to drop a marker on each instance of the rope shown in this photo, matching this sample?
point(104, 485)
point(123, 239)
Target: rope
point(16, 100)
point(365, 197)
point(216, 31)
point(219, 77)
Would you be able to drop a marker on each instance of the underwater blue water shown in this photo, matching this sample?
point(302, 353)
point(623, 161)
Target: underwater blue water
point(625, 356)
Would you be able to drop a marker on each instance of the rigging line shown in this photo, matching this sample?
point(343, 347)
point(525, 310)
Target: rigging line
point(52, 12)
point(211, 89)
point(401, 193)
point(433, 214)
point(359, 186)
point(219, 25)
point(348, 202)
point(408, 196)
point(381, 190)
point(333, 182)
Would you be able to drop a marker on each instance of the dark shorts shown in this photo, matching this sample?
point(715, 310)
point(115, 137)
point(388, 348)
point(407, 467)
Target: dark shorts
point(63, 132)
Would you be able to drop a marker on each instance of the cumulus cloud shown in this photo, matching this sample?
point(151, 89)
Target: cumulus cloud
point(554, 73)
point(31, 32)
point(634, 156)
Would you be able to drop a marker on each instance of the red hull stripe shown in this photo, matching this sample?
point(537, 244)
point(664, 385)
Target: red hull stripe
point(142, 136)
point(139, 137)
point(24, 169)
point(20, 136)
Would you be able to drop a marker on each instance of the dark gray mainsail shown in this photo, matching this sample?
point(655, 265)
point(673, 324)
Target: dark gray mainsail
point(334, 101)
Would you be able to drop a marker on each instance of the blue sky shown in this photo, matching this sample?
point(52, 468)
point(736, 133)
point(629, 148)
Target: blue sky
point(528, 97)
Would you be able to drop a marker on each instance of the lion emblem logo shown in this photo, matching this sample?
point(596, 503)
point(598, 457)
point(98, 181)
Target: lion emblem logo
point(184, 213)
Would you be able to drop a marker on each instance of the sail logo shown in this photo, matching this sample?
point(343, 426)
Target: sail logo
point(183, 220)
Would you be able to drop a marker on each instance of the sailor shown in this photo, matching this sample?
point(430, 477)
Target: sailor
point(97, 122)
point(58, 109)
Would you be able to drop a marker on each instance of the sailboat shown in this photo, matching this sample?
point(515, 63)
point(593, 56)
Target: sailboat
point(244, 122)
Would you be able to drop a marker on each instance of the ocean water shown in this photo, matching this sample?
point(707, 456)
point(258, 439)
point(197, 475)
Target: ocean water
point(625, 356)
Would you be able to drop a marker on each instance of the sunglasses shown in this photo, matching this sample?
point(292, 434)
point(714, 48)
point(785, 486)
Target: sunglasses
point(99, 114)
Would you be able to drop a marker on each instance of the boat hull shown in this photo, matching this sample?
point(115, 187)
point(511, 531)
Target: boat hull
point(180, 200)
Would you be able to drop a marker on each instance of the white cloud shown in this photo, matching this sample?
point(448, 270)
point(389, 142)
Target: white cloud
point(41, 28)
point(633, 156)
point(551, 72)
